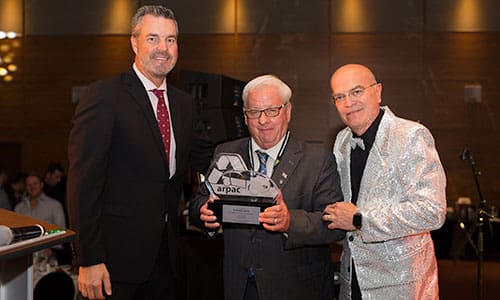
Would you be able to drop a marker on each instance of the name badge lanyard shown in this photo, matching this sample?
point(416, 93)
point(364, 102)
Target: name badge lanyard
point(280, 153)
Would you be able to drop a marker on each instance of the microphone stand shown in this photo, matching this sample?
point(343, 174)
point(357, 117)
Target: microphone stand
point(482, 217)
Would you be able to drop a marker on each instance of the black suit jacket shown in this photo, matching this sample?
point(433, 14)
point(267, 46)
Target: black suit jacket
point(297, 267)
point(119, 188)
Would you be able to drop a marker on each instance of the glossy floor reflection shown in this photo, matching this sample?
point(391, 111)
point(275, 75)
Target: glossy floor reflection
point(458, 280)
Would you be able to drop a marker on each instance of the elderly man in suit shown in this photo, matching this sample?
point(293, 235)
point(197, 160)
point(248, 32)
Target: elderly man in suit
point(132, 138)
point(288, 257)
point(394, 190)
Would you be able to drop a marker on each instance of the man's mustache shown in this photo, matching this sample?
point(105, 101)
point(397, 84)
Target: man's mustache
point(161, 54)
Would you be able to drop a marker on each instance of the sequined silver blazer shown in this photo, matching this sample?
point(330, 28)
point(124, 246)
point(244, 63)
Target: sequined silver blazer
point(402, 198)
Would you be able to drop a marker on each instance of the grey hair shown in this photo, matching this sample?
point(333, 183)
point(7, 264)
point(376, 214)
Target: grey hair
point(154, 10)
point(267, 80)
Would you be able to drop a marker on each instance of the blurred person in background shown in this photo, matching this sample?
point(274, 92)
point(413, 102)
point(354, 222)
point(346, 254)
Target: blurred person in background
point(38, 205)
point(5, 201)
point(55, 184)
point(16, 188)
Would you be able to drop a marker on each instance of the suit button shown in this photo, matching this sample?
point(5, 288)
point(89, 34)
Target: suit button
point(351, 238)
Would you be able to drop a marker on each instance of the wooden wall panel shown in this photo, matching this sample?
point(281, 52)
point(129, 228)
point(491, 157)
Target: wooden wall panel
point(470, 57)
point(422, 75)
point(208, 17)
point(283, 16)
point(376, 16)
point(450, 61)
point(208, 53)
point(11, 106)
point(462, 15)
point(300, 60)
point(62, 17)
point(390, 55)
point(40, 119)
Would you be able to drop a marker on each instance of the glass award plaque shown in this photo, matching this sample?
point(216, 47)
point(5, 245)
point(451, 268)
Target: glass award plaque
point(242, 193)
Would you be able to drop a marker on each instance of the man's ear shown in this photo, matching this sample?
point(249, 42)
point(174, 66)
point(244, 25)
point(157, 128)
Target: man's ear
point(379, 92)
point(289, 111)
point(133, 43)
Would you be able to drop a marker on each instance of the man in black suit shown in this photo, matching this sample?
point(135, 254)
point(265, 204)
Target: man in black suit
point(288, 257)
point(53, 185)
point(129, 148)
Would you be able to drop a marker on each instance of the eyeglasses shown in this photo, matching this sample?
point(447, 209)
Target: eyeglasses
point(269, 112)
point(353, 93)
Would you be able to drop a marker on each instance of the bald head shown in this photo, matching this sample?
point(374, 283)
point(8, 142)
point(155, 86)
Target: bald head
point(352, 72)
point(357, 96)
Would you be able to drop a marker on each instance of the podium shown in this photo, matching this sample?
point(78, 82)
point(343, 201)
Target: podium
point(16, 270)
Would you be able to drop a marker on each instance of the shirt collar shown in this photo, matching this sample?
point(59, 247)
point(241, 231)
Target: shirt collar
point(40, 198)
point(148, 84)
point(273, 152)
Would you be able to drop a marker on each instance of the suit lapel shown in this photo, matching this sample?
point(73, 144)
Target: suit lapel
point(139, 95)
point(376, 164)
point(289, 161)
point(244, 146)
point(176, 109)
point(344, 165)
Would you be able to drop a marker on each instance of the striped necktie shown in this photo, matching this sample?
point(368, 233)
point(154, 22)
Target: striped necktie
point(263, 156)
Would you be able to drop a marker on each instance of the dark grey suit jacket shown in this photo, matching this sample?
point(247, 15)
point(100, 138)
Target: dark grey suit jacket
point(297, 267)
point(119, 188)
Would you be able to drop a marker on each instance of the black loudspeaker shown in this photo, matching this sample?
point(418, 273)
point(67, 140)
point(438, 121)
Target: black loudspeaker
point(219, 103)
point(212, 90)
point(223, 124)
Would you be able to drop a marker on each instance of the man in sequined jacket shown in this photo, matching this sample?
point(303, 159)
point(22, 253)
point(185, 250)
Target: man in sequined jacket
point(394, 190)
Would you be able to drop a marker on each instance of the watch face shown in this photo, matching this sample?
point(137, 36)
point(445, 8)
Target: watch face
point(356, 220)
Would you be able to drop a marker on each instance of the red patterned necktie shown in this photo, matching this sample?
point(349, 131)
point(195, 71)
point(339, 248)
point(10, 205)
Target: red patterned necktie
point(163, 121)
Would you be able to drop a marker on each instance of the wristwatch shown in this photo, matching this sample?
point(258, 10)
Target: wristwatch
point(357, 220)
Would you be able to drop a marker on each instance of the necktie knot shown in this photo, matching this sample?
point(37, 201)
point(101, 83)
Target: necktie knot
point(158, 93)
point(357, 142)
point(263, 156)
